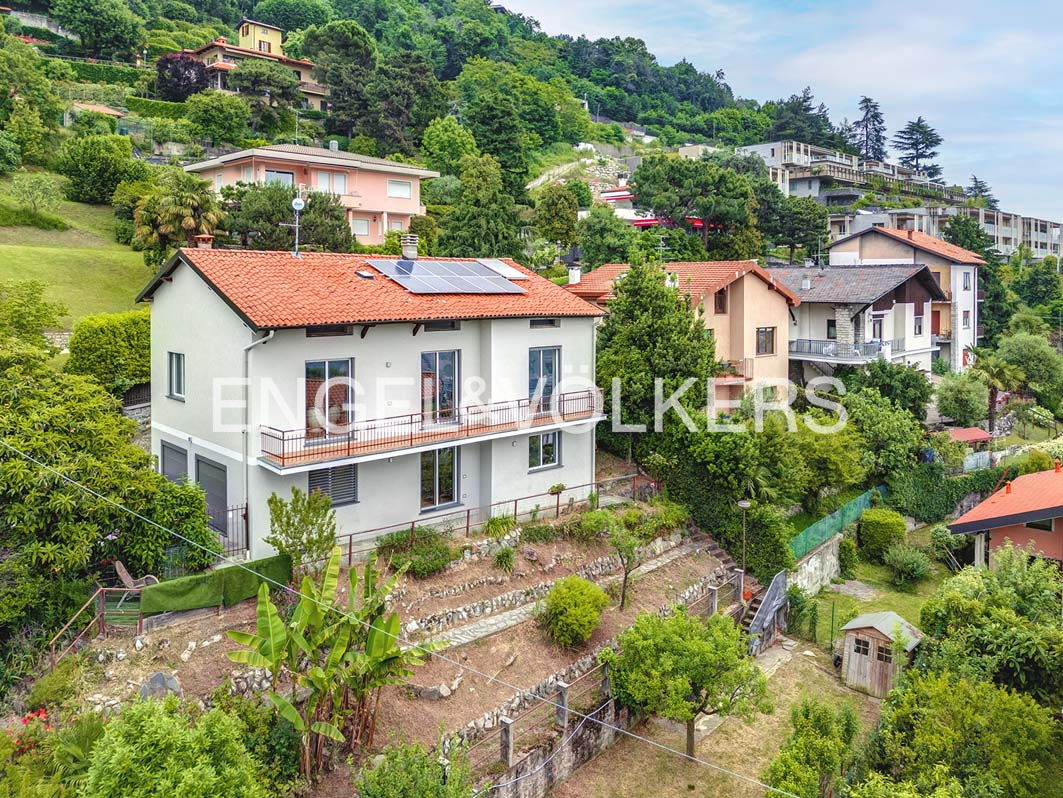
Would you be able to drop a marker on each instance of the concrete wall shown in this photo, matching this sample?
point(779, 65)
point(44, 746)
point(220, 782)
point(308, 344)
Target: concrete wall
point(817, 568)
point(1045, 543)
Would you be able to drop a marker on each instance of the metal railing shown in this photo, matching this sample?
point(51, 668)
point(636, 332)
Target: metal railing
point(839, 350)
point(96, 612)
point(763, 622)
point(232, 530)
point(737, 368)
point(287, 448)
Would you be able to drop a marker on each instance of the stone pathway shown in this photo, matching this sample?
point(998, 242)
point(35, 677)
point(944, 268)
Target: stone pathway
point(485, 627)
point(856, 589)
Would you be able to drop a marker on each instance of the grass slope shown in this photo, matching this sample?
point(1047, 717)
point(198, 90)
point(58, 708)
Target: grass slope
point(83, 267)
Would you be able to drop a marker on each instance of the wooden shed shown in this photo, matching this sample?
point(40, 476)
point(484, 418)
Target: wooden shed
point(868, 658)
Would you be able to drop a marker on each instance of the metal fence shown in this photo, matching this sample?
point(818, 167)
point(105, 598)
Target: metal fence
point(829, 526)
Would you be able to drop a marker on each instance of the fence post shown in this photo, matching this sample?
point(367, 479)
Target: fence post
point(562, 705)
point(557, 510)
point(413, 528)
point(713, 600)
point(607, 685)
point(350, 550)
point(505, 738)
point(468, 522)
point(102, 610)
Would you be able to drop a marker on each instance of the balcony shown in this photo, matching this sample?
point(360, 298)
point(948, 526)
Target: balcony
point(361, 439)
point(835, 351)
point(735, 372)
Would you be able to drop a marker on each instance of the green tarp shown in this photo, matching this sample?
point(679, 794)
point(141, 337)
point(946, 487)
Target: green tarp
point(225, 586)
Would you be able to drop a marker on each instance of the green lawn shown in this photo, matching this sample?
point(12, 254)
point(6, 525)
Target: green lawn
point(803, 520)
point(907, 603)
point(83, 267)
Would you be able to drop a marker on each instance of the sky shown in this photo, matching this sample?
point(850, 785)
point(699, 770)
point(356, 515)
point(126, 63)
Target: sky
point(985, 73)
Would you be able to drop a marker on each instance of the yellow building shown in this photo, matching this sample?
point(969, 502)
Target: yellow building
point(261, 37)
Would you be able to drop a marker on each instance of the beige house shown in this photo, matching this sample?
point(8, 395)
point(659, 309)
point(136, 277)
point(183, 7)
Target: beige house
point(744, 309)
point(954, 322)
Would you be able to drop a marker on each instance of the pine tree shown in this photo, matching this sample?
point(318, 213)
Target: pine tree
point(484, 223)
point(981, 190)
point(870, 131)
point(916, 142)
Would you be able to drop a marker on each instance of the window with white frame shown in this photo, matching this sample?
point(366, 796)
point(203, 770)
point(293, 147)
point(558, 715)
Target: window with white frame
point(400, 189)
point(918, 325)
point(544, 451)
point(395, 224)
point(360, 227)
point(966, 281)
point(966, 319)
point(439, 478)
point(176, 368)
point(340, 484)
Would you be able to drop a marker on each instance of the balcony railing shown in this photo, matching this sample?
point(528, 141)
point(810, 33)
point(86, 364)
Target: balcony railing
point(737, 370)
point(288, 448)
point(836, 350)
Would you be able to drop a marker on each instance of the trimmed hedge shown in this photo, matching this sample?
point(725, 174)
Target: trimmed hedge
point(115, 348)
point(879, 530)
point(106, 73)
point(927, 494)
point(155, 109)
point(225, 586)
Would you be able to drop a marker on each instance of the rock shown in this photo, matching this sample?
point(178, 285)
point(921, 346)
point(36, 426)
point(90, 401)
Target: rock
point(102, 657)
point(187, 653)
point(528, 553)
point(159, 685)
point(163, 644)
point(139, 642)
point(210, 641)
point(443, 691)
point(120, 655)
point(108, 674)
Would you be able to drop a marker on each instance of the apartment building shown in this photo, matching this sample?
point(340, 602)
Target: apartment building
point(404, 388)
point(850, 315)
point(954, 320)
point(264, 42)
point(379, 195)
point(743, 307)
point(1008, 230)
point(840, 178)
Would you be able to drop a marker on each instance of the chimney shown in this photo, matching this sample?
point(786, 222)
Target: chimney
point(1059, 468)
point(221, 40)
point(1007, 486)
point(911, 235)
point(806, 283)
point(409, 246)
point(204, 241)
point(575, 274)
point(334, 145)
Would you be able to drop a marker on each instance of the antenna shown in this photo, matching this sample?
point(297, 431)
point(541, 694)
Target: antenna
point(297, 205)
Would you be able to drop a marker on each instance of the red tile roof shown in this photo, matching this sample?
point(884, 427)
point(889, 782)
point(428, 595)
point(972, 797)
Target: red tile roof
point(275, 290)
point(925, 242)
point(222, 42)
point(695, 277)
point(1032, 497)
point(970, 435)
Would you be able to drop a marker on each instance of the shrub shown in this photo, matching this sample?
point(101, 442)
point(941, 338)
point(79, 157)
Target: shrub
point(595, 523)
point(539, 533)
point(943, 542)
point(304, 528)
point(880, 529)
point(505, 560)
point(941, 367)
point(409, 771)
point(928, 495)
point(633, 517)
point(96, 165)
point(424, 553)
point(1035, 460)
point(907, 563)
point(498, 526)
point(156, 109)
point(106, 73)
point(24, 217)
point(847, 558)
point(114, 348)
point(666, 517)
point(572, 611)
point(58, 685)
point(123, 231)
point(592, 500)
point(271, 739)
point(10, 153)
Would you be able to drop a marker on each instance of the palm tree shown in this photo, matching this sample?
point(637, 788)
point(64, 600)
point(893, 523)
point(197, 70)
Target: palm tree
point(997, 375)
point(178, 208)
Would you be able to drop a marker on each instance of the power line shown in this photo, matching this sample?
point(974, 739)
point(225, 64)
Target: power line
point(396, 637)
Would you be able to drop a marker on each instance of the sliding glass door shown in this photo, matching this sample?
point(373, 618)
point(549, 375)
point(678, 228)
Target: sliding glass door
point(439, 386)
point(328, 397)
point(544, 366)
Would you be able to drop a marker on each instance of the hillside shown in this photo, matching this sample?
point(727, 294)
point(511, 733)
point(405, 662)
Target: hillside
point(83, 267)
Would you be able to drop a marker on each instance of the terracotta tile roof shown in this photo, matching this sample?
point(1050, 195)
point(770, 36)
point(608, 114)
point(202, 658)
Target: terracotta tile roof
point(925, 242)
point(1031, 497)
point(275, 290)
point(222, 42)
point(970, 435)
point(853, 284)
point(695, 277)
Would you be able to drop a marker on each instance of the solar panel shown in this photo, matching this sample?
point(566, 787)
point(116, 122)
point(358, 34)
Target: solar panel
point(447, 277)
point(502, 268)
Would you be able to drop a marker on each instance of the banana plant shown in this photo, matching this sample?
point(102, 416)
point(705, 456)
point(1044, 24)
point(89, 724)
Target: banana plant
point(268, 647)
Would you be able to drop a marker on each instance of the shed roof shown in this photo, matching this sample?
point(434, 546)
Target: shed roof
point(970, 435)
point(886, 623)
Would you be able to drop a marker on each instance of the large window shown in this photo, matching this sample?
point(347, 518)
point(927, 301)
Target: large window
point(544, 450)
point(340, 484)
point(174, 462)
point(400, 189)
point(360, 227)
point(332, 182)
point(876, 329)
point(544, 367)
point(720, 301)
point(176, 365)
point(284, 178)
point(832, 329)
point(439, 478)
point(328, 396)
point(765, 340)
point(439, 385)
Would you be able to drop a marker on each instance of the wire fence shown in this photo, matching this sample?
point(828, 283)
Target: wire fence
point(829, 526)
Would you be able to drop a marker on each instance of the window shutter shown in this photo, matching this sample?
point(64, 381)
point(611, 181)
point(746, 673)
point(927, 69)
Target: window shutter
point(339, 483)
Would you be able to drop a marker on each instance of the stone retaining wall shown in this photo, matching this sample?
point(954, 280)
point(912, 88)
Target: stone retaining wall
point(817, 568)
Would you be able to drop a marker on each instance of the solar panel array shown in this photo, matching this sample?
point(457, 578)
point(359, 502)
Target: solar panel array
point(446, 277)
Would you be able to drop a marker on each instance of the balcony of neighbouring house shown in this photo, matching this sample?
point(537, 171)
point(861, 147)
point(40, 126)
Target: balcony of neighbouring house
point(373, 438)
point(830, 351)
point(735, 372)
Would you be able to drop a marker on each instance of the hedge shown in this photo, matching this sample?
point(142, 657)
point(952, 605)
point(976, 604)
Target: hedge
point(115, 348)
point(156, 109)
point(225, 586)
point(106, 73)
point(927, 494)
point(879, 530)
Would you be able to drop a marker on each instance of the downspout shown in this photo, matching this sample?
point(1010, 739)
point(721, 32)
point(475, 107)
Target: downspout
point(247, 414)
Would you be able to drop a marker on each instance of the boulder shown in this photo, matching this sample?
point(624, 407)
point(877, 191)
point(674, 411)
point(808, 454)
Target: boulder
point(160, 685)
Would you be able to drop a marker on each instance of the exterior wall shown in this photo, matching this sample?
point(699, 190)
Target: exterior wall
point(1046, 544)
point(810, 321)
point(365, 197)
point(866, 673)
point(252, 34)
point(819, 567)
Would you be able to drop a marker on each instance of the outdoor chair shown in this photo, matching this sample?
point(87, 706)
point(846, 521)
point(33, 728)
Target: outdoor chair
point(131, 583)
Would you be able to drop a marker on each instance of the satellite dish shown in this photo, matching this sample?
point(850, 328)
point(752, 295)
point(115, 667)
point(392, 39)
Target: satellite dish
point(298, 204)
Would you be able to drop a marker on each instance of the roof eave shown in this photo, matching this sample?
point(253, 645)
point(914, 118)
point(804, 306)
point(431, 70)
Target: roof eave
point(995, 522)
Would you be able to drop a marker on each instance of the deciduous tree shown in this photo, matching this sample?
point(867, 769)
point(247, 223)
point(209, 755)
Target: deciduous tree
point(445, 142)
point(902, 384)
point(815, 757)
point(178, 76)
point(222, 118)
point(962, 398)
point(555, 215)
point(483, 224)
point(106, 27)
point(95, 165)
point(603, 236)
point(293, 15)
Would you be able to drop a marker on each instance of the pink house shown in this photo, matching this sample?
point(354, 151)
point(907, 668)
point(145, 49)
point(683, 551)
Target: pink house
point(379, 195)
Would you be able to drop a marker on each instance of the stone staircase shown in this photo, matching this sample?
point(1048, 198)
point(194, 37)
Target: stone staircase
point(743, 614)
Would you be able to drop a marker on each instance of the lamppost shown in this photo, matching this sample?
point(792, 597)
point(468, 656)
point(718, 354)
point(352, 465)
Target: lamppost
point(745, 505)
